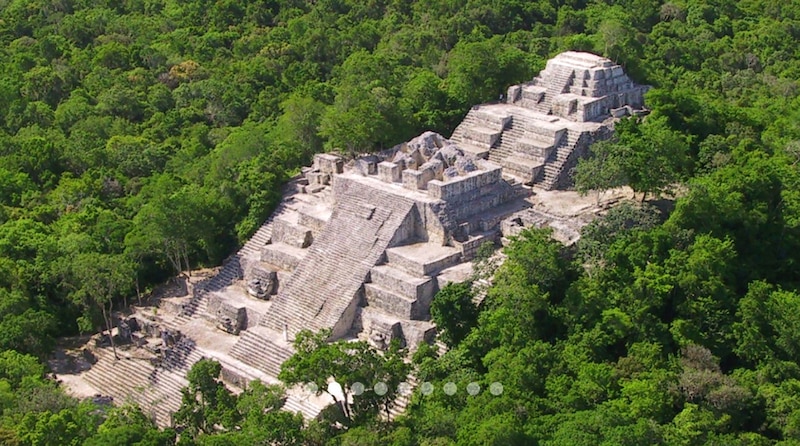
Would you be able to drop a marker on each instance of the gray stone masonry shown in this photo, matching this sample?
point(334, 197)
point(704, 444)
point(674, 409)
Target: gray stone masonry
point(361, 247)
point(321, 291)
point(560, 112)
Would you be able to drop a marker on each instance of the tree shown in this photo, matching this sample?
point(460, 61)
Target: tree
point(207, 405)
point(174, 223)
point(768, 320)
point(69, 427)
point(356, 122)
point(602, 170)
point(355, 366)
point(658, 155)
point(646, 155)
point(24, 326)
point(264, 421)
point(600, 234)
point(96, 280)
point(481, 71)
point(454, 312)
point(128, 425)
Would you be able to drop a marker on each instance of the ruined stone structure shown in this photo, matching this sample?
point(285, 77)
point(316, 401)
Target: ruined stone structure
point(361, 247)
point(545, 125)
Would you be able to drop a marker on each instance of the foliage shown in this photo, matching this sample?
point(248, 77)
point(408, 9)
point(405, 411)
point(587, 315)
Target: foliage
point(356, 367)
point(454, 312)
point(647, 155)
point(142, 139)
point(207, 405)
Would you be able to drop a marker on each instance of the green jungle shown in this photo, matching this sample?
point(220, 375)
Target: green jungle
point(142, 138)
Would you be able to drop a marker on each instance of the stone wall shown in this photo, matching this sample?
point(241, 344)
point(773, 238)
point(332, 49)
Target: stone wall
point(456, 188)
point(228, 317)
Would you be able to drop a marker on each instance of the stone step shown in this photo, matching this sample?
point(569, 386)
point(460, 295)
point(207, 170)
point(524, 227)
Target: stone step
point(523, 166)
point(423, 259)
point(296, 404)
point(287, 230)
point(324, 286)
point(256, 349)
point(400, 403)
point(391, 278)
point(283, 256)
point(155, 389)
point(395, 304)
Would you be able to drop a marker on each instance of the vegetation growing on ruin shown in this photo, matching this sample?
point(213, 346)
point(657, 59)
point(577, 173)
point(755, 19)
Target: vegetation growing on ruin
point(141, 138)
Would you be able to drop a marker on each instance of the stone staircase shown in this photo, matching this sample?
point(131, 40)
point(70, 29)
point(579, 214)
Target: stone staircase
point(298, 404)
point(325, 284)
point(559, 81)
point(257, 348)
point(506, 145)
point(156, 389)
point(479, 131)
point(518, 132)
point(230, 272)
point(400, 403)
point(525, 145)
point(553, 169)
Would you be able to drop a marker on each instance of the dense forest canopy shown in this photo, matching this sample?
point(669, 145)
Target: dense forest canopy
point(142, 138)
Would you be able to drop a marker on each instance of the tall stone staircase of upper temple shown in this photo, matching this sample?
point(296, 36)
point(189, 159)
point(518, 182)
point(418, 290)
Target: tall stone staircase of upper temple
point(479, 131)
point(554, 168)
point(559, 81)
point(325, 284)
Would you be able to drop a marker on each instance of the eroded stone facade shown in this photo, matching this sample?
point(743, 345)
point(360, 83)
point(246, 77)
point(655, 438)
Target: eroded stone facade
point(361, 247)
point(545, 125)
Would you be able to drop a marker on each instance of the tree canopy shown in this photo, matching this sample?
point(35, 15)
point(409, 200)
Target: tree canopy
point(141, 139)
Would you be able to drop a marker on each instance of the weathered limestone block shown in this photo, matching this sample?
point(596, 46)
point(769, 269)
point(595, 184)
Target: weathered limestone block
point(390, 302)
point(416, 179)
point(312, 222)
point(426, 144)
point(513, 94)
point(126, 328)
point(261, 282)
point(402, 283)
point(328, 163)
point(367, 165)
point(465, 165)
point(229, 318)
point(492, 118)
point(283, 256)
point(318, 178)
point(417, 332)
point(620, 112)
point(429, 266)
point(463, 184)
point(389, 172)
point(533, 93)
point(449, 154)
point(382, 333)
point(291, 233)
point(534, 147)
point(523, 166)
point(482, 135)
